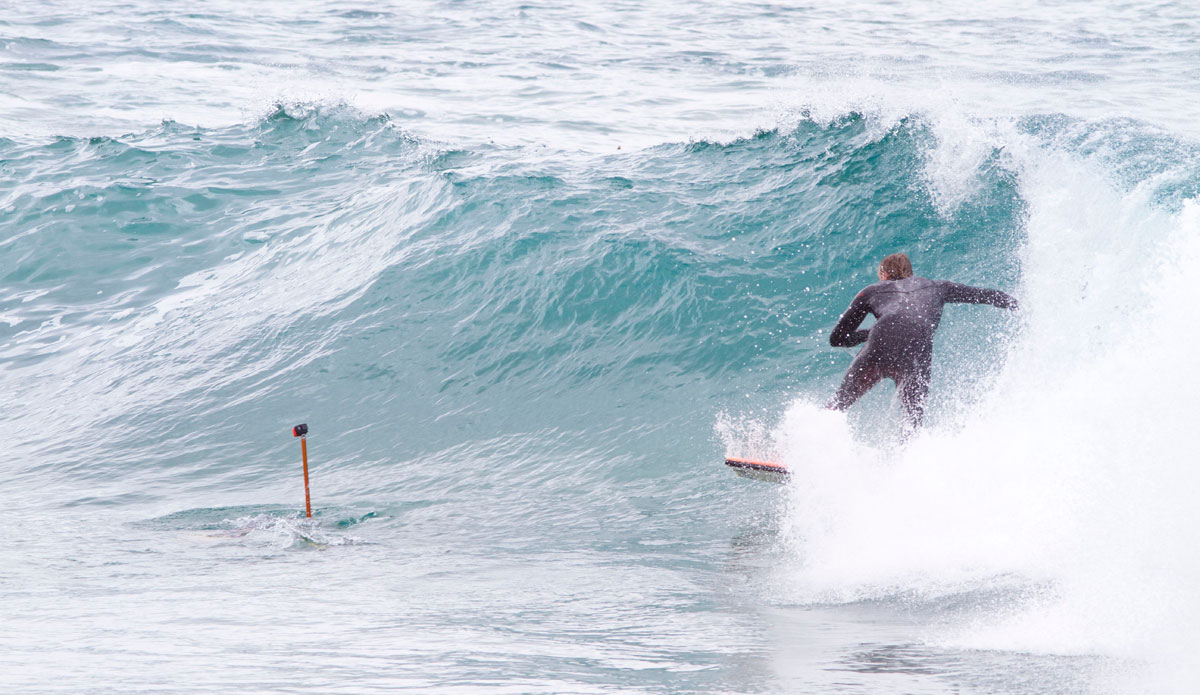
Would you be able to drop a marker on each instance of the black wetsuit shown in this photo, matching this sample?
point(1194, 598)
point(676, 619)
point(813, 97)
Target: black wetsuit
point(900, 344)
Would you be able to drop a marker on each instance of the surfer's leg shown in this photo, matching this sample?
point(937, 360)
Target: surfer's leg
point(914, 386)
point(858, 380)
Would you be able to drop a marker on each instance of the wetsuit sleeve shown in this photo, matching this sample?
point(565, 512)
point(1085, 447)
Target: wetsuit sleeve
point(844, 333)
point(965, 294)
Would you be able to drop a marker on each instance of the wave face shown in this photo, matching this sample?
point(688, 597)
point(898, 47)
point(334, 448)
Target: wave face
point(522, 351)
point(433, 289)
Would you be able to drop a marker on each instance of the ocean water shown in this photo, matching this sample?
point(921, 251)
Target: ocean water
point(529, 271)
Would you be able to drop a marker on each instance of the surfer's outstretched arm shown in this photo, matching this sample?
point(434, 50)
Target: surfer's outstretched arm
point(845, 333)
point(965, 294)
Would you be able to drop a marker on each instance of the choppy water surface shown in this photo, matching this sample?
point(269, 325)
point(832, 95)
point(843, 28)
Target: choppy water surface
point(528, 271)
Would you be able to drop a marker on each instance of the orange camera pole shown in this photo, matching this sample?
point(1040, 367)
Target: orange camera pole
point(300, 431)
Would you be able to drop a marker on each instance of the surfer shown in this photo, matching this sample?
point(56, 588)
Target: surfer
point(899, 346)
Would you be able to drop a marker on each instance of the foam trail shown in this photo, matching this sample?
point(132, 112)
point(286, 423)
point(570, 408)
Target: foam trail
point(1126, 528)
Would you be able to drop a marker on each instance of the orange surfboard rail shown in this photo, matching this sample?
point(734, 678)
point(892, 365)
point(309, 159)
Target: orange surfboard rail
point(768, 471)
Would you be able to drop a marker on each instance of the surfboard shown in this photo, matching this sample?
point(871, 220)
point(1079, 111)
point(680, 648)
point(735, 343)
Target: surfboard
point(766, 471)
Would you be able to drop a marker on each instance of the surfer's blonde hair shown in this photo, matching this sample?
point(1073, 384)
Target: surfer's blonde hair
point(896, 267)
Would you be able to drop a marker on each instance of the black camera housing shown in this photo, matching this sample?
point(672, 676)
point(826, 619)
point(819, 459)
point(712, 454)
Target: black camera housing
point(299, 430)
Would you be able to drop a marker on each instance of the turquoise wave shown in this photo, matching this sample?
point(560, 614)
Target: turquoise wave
point(188, 293)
